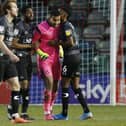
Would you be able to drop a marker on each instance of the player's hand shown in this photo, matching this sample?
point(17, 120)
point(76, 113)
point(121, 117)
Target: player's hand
point(32, 52)
point(61, 52)
point(42, 54)
point(28, 46)
point(53, 43)
point(14, 58)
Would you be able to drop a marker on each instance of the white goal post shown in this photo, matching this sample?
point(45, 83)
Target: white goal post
point(116, 21)
point(113, 52)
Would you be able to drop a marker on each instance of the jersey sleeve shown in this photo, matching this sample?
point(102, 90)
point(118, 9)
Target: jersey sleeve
point(68, 30)
point(36, 35)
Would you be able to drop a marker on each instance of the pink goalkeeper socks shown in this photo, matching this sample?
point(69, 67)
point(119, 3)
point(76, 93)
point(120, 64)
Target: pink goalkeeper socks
point(47, 101)
point(53, 98)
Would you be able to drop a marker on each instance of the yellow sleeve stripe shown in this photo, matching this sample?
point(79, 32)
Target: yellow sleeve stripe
point(68, 32)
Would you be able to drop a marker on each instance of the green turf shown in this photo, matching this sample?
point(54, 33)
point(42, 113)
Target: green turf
point(103, 116)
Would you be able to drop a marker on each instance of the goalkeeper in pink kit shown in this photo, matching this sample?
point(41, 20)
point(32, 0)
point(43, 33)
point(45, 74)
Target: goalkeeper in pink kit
point(48, 59)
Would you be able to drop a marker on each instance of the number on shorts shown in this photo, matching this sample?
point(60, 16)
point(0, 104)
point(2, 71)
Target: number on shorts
point(64, 69)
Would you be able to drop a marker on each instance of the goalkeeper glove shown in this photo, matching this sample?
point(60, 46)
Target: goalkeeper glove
point(42, 54)
point(61, 52)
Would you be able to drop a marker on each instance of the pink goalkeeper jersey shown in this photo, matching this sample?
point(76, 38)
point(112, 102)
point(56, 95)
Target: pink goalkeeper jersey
point(47, 33)
point(51, 66)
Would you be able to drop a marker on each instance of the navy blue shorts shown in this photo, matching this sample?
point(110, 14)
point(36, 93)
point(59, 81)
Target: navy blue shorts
point(7, 68)
point(24, 68)
point(71, 65)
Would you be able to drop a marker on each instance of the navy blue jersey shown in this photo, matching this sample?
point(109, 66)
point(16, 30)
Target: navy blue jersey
point(7, 29)
point(67, 30)
point(25, 33)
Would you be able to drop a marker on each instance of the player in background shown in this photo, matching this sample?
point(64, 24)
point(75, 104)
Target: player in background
point(22, 45)
point(0, 9)
point(8, 58)
point(48, 59)
point(71, 66)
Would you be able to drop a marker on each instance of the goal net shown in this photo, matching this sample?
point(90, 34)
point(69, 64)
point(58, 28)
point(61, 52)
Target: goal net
point(91, 19)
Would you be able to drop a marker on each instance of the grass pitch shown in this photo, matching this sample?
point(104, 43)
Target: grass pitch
point(103, 116)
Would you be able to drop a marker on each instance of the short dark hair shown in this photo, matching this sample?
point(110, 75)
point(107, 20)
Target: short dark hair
point(54, 11)
point(24, 9)
point(67, 9)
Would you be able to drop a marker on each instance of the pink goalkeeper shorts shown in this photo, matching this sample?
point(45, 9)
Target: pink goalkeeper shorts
point(50, 68)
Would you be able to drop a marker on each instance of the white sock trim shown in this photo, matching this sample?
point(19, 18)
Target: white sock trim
point(15, 115)
point(46, 113)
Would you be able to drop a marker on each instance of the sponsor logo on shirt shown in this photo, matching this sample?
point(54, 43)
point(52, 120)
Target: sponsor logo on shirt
point(16, 31)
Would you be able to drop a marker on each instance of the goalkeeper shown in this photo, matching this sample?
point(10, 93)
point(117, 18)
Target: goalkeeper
point(48, 59)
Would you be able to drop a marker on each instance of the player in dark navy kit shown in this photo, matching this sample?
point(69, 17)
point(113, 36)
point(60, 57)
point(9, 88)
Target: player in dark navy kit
point(22, 45)
point(71, 66)
point(8, 70)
